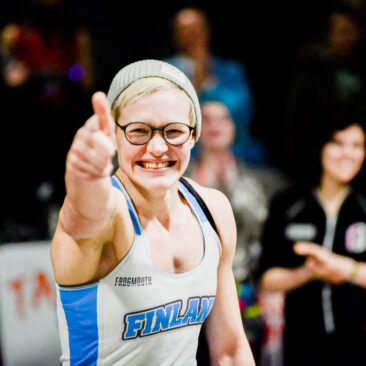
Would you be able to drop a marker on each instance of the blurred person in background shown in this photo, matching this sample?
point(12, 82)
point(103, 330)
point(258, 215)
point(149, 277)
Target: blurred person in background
point(42, 46)
point(210, 73)
point(46, 77)
point(314, 248)
point(217, 166)
point(328, 72)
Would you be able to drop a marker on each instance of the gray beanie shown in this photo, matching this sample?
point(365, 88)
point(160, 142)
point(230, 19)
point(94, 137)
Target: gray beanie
point(147, 68)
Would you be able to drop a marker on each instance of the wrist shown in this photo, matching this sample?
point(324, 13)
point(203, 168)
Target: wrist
point(305, 274)
point(353, 275)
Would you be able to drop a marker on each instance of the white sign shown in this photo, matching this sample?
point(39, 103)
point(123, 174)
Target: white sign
point(28, 322)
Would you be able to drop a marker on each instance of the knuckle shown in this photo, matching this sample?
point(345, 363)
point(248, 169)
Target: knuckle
point(95, 139)
point(79, 149)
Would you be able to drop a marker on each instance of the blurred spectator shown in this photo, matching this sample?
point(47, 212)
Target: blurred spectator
point(216, 166)
point(45, 46)
point(314, 248)
point(212, 74)
point(47, 70)
point(329, 72)
point(272, 308)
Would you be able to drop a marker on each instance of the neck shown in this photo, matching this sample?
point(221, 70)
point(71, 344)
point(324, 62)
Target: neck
point(330, 189)
point(219, 155)
point(198, 52)
point(332, 194)
point(151, 205)
point(216, 168)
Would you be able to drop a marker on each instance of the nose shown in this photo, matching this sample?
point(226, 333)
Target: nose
point(157, 146)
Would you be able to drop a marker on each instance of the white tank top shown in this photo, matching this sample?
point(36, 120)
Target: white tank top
point(139, 314)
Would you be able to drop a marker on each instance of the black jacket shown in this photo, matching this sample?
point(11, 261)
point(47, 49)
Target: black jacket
point(296, 215)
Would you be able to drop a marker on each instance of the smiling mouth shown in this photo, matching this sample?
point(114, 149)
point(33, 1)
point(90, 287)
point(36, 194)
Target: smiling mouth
point(149, 165)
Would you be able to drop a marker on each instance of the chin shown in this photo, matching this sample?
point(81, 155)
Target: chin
point(346, 179)
point(156, 183)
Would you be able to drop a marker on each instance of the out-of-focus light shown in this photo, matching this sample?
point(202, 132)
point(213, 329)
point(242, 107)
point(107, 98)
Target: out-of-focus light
point(76, 72)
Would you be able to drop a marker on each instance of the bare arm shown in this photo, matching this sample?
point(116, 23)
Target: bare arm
point(89, 200)
point(226, 339)
point(89, 214)
point(320, 264)
point(285, 279)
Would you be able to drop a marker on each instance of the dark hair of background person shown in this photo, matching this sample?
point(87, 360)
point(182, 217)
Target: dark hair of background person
point(327, 120)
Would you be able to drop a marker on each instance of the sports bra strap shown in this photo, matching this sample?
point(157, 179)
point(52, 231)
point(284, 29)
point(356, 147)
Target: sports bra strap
point(200, 201)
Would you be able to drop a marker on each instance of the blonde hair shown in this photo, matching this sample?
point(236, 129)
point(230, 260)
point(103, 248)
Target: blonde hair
point(146, 86)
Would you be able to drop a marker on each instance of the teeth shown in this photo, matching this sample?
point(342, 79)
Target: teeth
point(155, 166)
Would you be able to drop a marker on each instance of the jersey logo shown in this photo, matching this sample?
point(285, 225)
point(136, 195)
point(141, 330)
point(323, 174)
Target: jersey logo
point(133, 281)
point(356, 238)
point(167, 317)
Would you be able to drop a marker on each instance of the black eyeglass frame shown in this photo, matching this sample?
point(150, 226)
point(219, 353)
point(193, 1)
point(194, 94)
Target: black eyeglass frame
point(152, 129)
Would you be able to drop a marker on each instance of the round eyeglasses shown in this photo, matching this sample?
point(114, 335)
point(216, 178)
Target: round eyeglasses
point(140, 133)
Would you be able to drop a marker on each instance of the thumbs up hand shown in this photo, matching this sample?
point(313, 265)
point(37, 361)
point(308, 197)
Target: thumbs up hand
point(93, 148)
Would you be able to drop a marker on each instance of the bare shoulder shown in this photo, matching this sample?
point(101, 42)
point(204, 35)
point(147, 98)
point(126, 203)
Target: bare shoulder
point(215, 200)
point(221, 211)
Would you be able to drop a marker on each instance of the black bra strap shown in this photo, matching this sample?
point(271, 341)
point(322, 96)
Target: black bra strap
point(200, 201)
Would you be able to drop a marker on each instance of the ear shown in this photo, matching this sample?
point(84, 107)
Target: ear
point(192, 141)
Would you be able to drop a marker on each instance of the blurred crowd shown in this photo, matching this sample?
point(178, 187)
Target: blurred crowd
point(293, 185)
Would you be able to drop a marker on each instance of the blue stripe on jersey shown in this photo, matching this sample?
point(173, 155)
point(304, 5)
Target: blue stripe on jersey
point(130, 209)
point(115, 184)
point(193, 202)
point(80, 307)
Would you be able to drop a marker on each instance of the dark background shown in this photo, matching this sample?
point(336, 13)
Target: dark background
point(264, 36)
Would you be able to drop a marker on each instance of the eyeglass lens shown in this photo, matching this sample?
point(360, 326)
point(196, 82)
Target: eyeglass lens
point(174, 133)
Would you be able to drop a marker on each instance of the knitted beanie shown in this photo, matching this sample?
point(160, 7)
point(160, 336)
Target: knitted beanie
point(147, 68)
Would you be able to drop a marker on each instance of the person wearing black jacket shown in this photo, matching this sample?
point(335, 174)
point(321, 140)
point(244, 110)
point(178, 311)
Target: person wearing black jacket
point(314, 249)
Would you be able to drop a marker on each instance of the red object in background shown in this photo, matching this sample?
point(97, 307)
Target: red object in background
point(50, 52)
point(272, 305)
point(41, 289)
point(18, 287)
